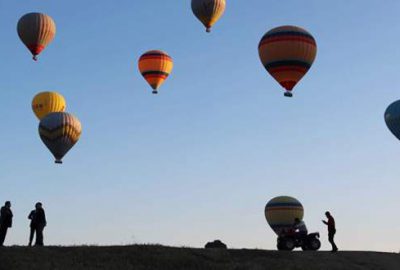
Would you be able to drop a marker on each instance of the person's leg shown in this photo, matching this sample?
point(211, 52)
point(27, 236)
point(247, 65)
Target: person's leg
point(331, 240)
point(334, 247)
point(3, 233)
point(31, 236)
point(39, 236)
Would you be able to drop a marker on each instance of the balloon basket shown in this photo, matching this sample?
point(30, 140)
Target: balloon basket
point(58, 162)
point(155, 92)
point(288, 94)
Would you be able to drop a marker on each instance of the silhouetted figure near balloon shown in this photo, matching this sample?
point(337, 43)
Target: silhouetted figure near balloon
point(38, 222)
point(300, 228)
point(6, 216)
point(331, 230)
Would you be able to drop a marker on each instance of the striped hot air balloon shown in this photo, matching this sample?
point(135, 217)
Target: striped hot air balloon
point(208, 11)
point(36, 31)
point(280, 213)
point(392, 118)
point(155, 67)
point(287, 53)
point(59, 131)
point(47, 102)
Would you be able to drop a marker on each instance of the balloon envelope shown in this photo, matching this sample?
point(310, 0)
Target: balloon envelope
point(47, 102)
point(59, 131)
point(281, 211)
point(155, 66)
point(208, 11)
point(36, 31)
point(392, 118)
point(287, 53)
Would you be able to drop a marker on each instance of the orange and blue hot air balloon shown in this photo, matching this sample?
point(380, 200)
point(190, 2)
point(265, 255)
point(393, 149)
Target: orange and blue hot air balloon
point(155, 66)
point(281, 212)
point(287, 53)
point(59, 131)
point(208, 11)
point(36, 31)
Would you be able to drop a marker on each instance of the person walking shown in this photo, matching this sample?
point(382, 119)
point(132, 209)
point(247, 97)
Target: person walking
point(331, 230)
point(38, 222)
point(6, 216)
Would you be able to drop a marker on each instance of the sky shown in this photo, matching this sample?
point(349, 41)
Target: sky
point(200, 160)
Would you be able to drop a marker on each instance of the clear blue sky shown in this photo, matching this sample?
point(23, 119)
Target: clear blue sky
point(200, 160)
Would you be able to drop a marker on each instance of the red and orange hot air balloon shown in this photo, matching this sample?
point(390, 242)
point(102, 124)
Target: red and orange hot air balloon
point(155, 66)
point(36, 31)
point(287, 53)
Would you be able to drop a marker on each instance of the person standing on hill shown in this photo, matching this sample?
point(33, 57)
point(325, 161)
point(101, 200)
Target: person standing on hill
point(38, 222)
point(6, 216)
point(32, 226)
point(331, 230)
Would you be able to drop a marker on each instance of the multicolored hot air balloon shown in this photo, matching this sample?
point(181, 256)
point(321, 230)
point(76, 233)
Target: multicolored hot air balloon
point(392, 118)
point(155, 67)
point(280, 213)
point(287, 53)
point(47, 102)
point(59, 131)
point(208, 11)
point(36, 31)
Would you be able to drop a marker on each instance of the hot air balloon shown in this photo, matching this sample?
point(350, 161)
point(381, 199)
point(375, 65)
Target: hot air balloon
point(155, 67)
point(208, 11)
point(280, 213)
point(287, 53)
point(47, 102)
point(392, 118)
point(59, 131)
point(36, 31)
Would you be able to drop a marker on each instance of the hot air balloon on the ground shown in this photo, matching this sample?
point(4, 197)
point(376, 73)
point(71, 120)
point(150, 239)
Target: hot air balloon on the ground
point(155, 67)
point(280, 213)
point(208, 11)
point(392, 118)
point(47, 102)
point(287, 53)
point(59, 131)
point(36, 31)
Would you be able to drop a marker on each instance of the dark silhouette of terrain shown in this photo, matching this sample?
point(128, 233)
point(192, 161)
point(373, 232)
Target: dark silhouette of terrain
point(215, 244)
point(168, 258)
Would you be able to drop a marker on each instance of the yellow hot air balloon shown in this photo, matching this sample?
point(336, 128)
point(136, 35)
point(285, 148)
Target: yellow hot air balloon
point(36, 31)
point(59, 131)
point(208, 11)
point(47, 102)
point(155, 66)
point(281, 211)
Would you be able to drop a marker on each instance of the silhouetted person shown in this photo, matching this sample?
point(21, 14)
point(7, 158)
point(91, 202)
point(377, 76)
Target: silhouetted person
point(38, 222)
point(331, 230)
point(6, 216)
point(32, 226)
point(300, 227)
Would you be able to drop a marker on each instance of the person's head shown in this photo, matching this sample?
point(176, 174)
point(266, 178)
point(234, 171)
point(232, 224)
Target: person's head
point(7, 204)
point(296, 220)
point(38, 205)
point(327, 214)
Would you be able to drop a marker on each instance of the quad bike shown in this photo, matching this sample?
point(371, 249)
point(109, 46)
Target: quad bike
point(306, 242)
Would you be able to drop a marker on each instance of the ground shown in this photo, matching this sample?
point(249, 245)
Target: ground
point(158, 257)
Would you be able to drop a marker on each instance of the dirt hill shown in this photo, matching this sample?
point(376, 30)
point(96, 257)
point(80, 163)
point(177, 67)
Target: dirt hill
point(165, 258)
